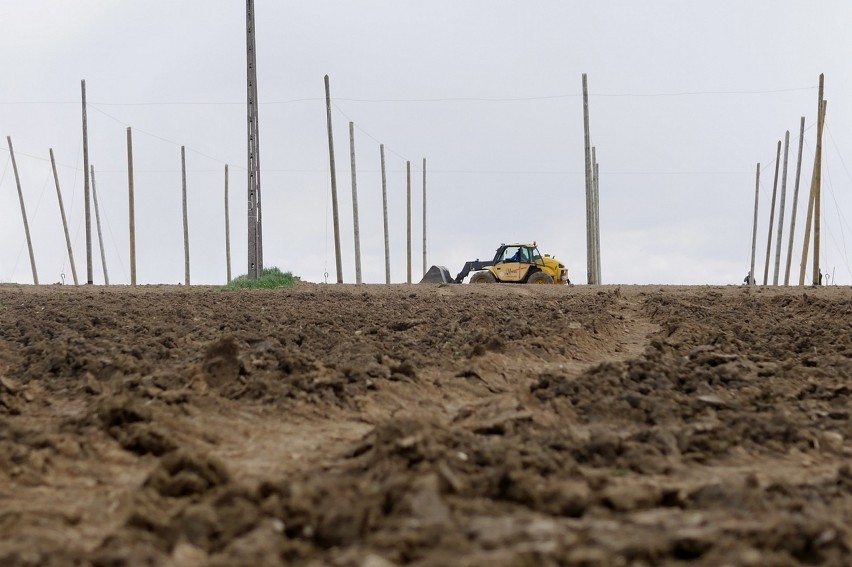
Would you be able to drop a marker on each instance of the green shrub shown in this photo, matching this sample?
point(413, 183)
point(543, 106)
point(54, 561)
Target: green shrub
point(270, 279)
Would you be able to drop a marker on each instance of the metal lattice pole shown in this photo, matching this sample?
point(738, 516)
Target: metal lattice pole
point(255, 248)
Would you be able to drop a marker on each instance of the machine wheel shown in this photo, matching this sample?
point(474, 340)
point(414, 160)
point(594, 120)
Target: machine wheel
point(482, 277)
point(540, 278)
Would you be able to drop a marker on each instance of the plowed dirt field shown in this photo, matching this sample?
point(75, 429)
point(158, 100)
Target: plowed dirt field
point(426, 425)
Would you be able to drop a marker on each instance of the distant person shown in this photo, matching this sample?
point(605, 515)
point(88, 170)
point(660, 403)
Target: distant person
point(520, 255)
point(748, 280)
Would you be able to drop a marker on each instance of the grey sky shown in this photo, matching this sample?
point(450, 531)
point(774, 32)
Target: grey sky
point(686, 97)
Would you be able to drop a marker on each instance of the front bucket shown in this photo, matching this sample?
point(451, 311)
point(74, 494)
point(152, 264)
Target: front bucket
point(437, 274)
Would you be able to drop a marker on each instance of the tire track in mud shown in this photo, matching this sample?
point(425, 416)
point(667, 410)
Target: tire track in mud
point(492, 387)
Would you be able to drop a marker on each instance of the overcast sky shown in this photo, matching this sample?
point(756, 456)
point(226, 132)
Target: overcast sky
point(685, 98)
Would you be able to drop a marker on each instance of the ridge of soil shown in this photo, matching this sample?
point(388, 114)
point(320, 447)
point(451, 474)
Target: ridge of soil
point(377, 426)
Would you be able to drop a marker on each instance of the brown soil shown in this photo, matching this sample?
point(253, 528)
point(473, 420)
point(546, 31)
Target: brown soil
point(375, 426)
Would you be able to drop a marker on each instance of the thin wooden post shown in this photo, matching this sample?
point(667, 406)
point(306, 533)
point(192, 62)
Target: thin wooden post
point(817, 165)
point(131, 206)
point(385, 214)
point(817, 275)
point(751, 278)
point(227, 229)
point(23, 210)
point(596, 215)
point(335, 217)
point(185, 215)
point(424, 217)
point(795, 202)
point(86, 190)
point(772, 214)
point(98, 222)
point(64, 220)
point(590, 243)
point(781, 210)
point(355, 204)
point(408, 219)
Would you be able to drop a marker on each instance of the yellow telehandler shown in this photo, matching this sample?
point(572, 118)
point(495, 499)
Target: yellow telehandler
point(512, 263)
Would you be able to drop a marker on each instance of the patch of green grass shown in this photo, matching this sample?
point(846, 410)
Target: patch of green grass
point(272, 278)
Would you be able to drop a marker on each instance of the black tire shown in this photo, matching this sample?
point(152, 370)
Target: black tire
point(482, 277)
point(539, 278)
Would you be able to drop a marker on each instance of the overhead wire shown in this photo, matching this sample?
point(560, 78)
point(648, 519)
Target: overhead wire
point(841, 221)
point(95, 106)
point(365, 132)
point(166, 140)
point(434, 99)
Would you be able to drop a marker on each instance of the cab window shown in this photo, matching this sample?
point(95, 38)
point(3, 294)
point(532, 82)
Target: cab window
point(511, 254)
point(536, 256)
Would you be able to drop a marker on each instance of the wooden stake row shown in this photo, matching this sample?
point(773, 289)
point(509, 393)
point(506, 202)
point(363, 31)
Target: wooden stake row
point(355, 215)
point(813, 211)
point(593, 236)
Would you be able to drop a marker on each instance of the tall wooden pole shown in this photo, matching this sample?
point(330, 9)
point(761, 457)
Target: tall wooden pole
point(596, 217)
point(64, 220)
point(772, 214)
point(98, 222)
point(781, 210)
point(795, 202)
point(86, 190)
point(131, 202)
point(335, 217)
point(590, 242)
point(751, 278)
point(424, 217)
point(227, 229)
point(408, 219)
point(23, 210)
point(817, 276)
point(355, 204)
point(185, 215)
point(817, 166)
point(255, 230)
point(385, 214)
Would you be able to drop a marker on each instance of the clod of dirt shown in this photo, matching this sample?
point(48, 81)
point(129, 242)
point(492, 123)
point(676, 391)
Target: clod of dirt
point(425, 502)
point(9, 386)
point(221, 362)
point(10, 398)
point(831, 442)
point(626, 498)
point(183, 474)
point(129, 423)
